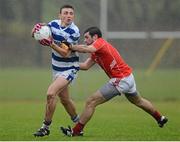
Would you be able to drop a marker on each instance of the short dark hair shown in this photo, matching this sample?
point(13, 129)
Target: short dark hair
point(66, 6)
point(93, 31)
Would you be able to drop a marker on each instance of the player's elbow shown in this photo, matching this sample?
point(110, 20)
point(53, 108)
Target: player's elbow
point(83, 67)
point(65, 54)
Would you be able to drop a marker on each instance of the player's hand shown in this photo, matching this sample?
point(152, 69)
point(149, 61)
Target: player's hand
point(65, 45)
point(46, 42)
point(37, 27)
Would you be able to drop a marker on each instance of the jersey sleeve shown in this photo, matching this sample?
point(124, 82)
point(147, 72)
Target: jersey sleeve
point(99, 43)
point(74, 38)
point(50, 23)
point(74, 34)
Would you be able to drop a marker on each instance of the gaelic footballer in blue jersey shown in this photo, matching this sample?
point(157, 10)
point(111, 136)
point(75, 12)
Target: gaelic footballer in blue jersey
point(62, 65)
point(65, 65)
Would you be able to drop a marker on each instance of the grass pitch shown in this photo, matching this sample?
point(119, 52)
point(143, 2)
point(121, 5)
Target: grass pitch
point(22, 103)
point(112, 121)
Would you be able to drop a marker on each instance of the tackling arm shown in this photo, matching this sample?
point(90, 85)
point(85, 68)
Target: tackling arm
point(83, 48)
point(87, 64)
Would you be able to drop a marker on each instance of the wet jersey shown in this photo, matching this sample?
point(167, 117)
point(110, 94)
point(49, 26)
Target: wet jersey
point(110, 60)
point(71, 34)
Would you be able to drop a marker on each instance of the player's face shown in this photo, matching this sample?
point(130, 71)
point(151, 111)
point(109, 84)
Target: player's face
point(88, 39)
point(66, 16)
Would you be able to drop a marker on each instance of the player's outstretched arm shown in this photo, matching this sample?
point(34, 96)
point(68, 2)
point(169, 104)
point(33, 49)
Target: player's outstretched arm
point(83, 48)
point(87, 64)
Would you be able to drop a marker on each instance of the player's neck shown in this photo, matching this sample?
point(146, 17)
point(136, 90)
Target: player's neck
point(64, 24)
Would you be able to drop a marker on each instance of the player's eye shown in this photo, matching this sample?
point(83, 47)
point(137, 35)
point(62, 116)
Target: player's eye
point(71, 13)
point(65, 13)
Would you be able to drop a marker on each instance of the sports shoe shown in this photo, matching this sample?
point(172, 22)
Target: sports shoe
point(69, 132)
point(162, 121)
point(42, 132)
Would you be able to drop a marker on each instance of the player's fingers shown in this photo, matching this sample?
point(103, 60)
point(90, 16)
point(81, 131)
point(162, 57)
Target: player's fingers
point(46, 42)
point(37, 28)
point(42, 42)
point(38, 25)
point(64, 46)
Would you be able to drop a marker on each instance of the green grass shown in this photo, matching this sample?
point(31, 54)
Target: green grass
point(33, 83)
point(22, 101)
point(111, 121)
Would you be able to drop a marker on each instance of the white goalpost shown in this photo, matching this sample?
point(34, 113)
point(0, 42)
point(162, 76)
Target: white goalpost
point(169, 36)
point(130, 35)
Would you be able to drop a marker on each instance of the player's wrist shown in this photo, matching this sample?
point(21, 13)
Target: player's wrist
point(52, 45)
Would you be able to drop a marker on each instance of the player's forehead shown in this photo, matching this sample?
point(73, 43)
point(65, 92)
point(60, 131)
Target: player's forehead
point(63, 10)
point(86, 35)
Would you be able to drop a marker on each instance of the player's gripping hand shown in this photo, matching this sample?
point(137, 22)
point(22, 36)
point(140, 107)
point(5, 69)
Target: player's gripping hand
point(36, 28)
point(46, 42)
point(65, 45)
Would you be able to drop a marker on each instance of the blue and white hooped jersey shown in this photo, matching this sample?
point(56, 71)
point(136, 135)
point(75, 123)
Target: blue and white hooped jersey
point(71, 34)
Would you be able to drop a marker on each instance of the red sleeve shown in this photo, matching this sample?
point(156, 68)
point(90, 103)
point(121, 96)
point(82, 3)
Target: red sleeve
point(99, 43)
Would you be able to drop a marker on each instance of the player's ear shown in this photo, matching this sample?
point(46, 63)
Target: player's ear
point(95, 37)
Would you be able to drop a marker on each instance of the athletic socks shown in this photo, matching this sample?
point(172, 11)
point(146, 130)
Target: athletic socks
point(157, 116)
point(78, 128)
point(75, 118)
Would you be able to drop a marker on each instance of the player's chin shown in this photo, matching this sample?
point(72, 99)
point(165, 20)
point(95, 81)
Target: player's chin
point(69, 21)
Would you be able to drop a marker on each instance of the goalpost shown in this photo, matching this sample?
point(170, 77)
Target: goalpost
point(168, 35)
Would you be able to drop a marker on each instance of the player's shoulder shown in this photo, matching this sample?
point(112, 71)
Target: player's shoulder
point(100, 40)
point(74, 27)
point(54, 22)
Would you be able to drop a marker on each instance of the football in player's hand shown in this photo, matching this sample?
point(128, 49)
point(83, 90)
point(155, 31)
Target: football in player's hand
point(42, 32)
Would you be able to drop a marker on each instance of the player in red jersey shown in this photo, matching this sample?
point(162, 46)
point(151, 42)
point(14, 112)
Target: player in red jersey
point(121, 80)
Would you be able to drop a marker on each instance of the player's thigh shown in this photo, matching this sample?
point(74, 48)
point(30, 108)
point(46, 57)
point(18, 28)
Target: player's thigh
point(64, 94)
point(57, 86)
point(109, 91)
point(96, 99)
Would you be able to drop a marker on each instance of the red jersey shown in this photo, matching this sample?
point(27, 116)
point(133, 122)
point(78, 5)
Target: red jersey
point(110, 60)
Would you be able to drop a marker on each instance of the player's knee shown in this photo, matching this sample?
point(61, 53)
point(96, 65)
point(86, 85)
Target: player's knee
point(50, 99)
point(138, 102)
point(91, 102)
point(135, 99)
point(50, 96)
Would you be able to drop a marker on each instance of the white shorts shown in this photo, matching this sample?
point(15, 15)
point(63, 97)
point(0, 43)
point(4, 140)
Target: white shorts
point(124, 85)
point(69, 75)
point(116, 86)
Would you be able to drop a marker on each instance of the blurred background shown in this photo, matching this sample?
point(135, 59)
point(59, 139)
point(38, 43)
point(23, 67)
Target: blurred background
point(17, 17)
point(146, 33)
